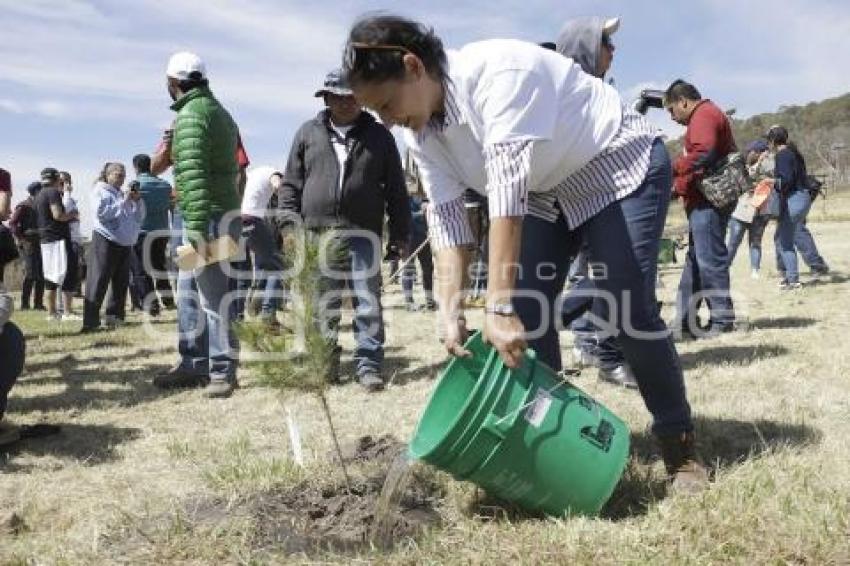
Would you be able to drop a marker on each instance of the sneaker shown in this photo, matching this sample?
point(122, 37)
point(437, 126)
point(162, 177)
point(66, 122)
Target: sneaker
point(430, 305)
point(820, 271)
point(754, 274)
point(788, 286)
point(371, 381)
point(112, 322)
point(68, 317)
point(179, 377)
point(684, 470)
point(39, 308)
point(220, 388)
point(621, 375)
point(410, 306)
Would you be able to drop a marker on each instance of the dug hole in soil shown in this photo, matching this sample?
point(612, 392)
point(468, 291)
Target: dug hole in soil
point(314, 518)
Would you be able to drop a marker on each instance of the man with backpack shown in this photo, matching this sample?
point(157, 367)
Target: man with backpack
point(705, 276)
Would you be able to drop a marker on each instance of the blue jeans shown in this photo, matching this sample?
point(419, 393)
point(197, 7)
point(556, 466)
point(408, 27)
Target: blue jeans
point(267, 266)
point(588, 337)
point(624, 237)
point(13, 349)
point(206, 310)
point(360, 268)
point(791, 235)
point(705, 275)
point(804, 242)
point(755, 230)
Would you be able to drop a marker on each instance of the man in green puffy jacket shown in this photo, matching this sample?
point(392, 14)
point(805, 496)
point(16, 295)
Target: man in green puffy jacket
point(203, 151)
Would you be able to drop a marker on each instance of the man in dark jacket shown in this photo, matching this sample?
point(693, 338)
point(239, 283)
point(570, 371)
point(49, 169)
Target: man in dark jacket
point(705, 275)
point(344, 172)
point(203, 151)
point(24, 225)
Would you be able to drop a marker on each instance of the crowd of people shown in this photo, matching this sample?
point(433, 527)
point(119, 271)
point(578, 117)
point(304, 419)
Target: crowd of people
point(565, 172)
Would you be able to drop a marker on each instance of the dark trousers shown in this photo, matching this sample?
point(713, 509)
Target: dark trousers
point(705, 275)
point(107, 263)
point(148, 272)
point(13, 350)
point(426, 262)
point(624, 237)
point(33, 284)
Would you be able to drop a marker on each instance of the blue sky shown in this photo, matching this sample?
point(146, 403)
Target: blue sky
point(82, 82)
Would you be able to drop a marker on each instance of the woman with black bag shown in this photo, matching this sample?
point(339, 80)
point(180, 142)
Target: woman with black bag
point(796, 200)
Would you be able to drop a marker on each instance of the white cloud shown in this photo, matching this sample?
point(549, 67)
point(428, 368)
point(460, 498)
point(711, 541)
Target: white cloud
point(11, 106)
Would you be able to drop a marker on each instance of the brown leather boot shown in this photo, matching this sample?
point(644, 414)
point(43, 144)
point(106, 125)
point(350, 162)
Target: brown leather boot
point(686, 472)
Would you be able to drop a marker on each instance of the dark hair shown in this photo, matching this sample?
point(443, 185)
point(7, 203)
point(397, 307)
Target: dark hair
point(106, 167)
point(194, 81)
point(681, 89)
point(142, 163)
point(377, 45)
point(778, 135)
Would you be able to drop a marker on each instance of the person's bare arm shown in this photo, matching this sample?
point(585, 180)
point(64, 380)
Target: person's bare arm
point(451, 265)
point(505, 332)
point(60, 215)
point(5, 206)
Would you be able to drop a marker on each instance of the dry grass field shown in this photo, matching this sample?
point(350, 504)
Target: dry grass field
point(142, 476)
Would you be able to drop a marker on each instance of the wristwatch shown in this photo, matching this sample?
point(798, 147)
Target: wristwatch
point(500, 309)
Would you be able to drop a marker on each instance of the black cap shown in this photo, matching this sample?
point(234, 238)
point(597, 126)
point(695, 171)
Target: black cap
point(335, 83)
point(49, 175)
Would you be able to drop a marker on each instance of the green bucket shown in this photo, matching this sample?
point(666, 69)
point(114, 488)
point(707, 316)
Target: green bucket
point(524, 435)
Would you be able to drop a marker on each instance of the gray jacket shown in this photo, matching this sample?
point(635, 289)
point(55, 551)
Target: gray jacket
point(373, 180)
point(581, 39)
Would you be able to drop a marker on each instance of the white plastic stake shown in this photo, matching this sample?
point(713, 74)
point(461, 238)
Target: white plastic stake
point(294, 439)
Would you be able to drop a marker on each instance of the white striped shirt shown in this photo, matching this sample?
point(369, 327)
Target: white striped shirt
point(535, 162)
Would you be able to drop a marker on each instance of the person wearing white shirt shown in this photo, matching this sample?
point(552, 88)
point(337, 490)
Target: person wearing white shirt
point(561, 159)
point(260, 243)
point(70, 204)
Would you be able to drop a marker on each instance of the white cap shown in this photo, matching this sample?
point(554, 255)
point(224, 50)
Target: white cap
point(183, 64)
point(611, 26)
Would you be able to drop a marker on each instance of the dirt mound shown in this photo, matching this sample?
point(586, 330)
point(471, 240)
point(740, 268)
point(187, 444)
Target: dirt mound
point(370, 449)
point(309, 518)
point(316, 517)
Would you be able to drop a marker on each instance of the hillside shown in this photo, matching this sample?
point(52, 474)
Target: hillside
point(820, 129)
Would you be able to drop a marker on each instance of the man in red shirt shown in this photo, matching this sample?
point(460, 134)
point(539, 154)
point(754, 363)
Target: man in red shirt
point(705, 275)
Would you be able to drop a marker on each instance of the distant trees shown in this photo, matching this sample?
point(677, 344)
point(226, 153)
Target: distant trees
point(820, 129)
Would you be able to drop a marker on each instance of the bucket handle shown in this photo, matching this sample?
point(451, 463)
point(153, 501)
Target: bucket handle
point(501, 426)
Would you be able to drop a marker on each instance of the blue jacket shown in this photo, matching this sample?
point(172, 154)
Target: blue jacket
point(118, 219)
point(156, 193)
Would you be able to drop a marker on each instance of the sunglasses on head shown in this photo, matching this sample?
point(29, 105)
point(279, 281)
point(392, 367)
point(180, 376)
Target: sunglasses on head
point(355, 47)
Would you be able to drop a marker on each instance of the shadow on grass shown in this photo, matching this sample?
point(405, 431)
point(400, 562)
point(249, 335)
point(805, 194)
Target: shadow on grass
point(86, 444)
point(735, 355)
point(781, 323)
point(70, 363)
point(398, 370)
point(720, 443)
point(89, 384)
